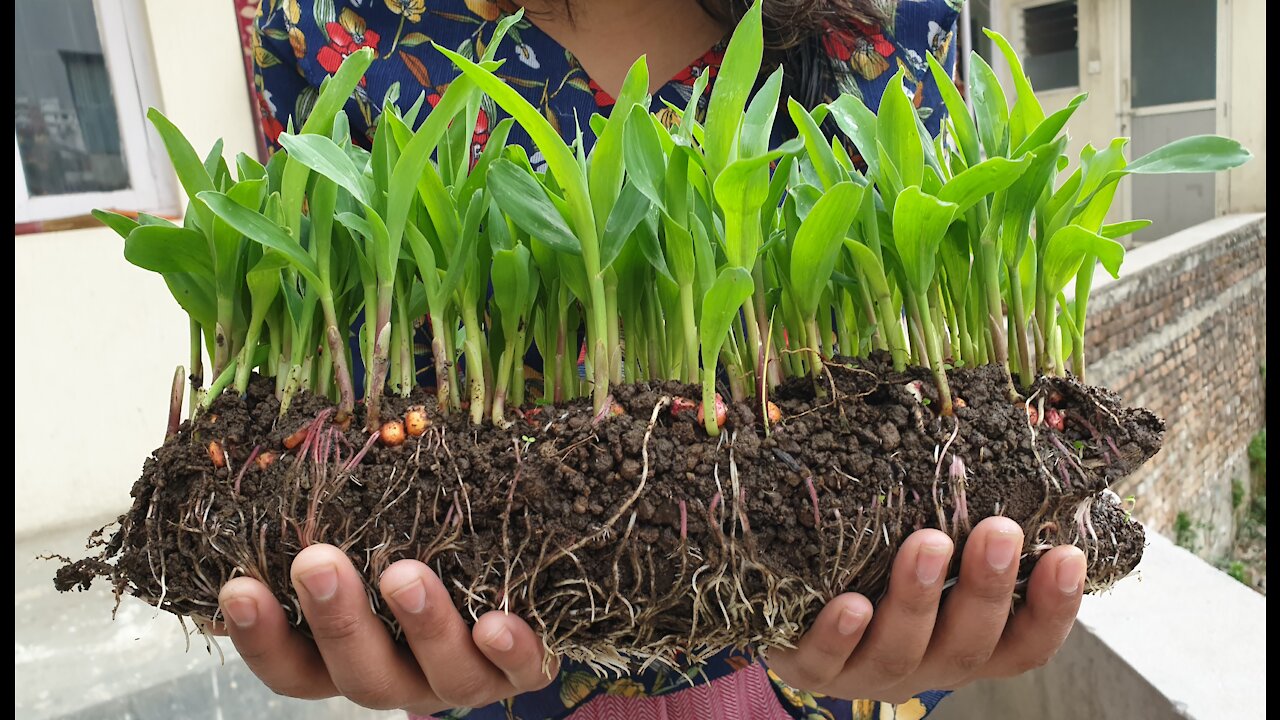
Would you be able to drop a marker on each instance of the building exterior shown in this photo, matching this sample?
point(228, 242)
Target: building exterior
point(1155, 71)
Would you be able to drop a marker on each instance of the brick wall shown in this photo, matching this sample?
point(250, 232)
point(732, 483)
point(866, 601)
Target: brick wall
point(1183, 332)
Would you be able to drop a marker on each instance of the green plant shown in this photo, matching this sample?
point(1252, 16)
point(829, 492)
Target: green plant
point(1237, 570)
point(1184, 534)
point(1258, 455)
point(946, 253)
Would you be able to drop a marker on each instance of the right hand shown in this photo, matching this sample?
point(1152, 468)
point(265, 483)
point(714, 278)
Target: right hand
point(446, 665)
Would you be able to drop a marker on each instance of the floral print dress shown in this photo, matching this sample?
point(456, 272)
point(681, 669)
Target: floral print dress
point(297, 43)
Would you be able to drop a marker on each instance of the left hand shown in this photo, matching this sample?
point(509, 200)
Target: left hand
point(913, 642)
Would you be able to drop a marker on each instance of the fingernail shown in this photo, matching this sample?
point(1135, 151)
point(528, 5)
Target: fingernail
point(849, 622)
point(241, 611)
point(930, 561)
point(321, 583)
point(501, 640)
point(1002, 550)
point(411, 598)
point(1071, 570)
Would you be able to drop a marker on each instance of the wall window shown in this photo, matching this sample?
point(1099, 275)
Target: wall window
point(1050, 44)
point(1175, 51)
point(81, 83)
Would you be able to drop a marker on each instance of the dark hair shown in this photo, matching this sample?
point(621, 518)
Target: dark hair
point(793, 38)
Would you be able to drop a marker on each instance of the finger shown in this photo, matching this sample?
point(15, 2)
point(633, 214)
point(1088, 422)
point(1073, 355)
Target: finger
point(1038, 629)
point(362, 659)
point(900, 631)
point(280, 656)
point(974, 614)
point(512, 646)
point(458, 672)
point(822, 652)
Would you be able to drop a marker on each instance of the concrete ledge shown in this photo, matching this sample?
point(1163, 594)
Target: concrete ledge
point(70, 660)
point(1179, 640)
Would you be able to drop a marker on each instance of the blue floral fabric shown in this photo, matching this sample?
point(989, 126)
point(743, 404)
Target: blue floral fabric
point(298, 43)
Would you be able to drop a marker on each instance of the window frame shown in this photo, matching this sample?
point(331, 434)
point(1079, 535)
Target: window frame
point(126, 49)
point(1018, 38)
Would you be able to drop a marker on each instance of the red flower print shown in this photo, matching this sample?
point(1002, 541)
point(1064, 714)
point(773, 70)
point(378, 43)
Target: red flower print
point(603, 99)
point(839, 44)
point(271, 127)
point(842, 43)
point(877, 38)
point(709, 63)
point(346, 36)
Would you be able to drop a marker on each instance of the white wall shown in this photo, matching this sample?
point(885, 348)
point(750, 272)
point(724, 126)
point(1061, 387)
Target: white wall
point(1246, 112)
point(96, 337)
point(1242, 79)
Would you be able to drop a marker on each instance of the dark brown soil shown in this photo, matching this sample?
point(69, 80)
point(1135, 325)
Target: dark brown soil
point(637, 536)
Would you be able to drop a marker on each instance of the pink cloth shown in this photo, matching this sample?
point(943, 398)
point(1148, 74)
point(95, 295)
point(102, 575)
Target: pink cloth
point(743, 695)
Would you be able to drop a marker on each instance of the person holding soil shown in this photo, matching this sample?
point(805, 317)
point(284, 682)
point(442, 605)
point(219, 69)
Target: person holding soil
point(569, 58)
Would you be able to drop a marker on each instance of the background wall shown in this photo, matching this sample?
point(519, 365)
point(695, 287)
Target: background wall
point(98, 336)
point(1183, 332)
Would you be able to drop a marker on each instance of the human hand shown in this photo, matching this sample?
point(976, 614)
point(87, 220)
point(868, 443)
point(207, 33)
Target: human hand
point(352, 654)
point(912, 643)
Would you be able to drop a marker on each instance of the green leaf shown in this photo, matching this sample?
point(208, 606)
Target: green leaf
point(510, 274)
point(260, 230)
point(604, 175)
point(1196, 154)
point(465, 249)
point(186, 163)
point(872, 269)
point(966, 133)
point(956, 260)
point(216, 166)
point(629, 209)
point(263, 280)
point(169, 250)
point(734, 82)
point(1120, 229)
point(1049, 128)
point(322, 155)
point(1100, 169)
point(919, 223)
point(500, 33)
point(336, 90)
point(757, 122)
point(1068, 248)
point(719, 308)
point(987, 177)
point(816, 145)
point(990, 106)
point(248, 168)
point(857, 121)
point(1026, 113)
point(195, 294)
point(119, 223)
point(1021, 198)
point(897, 134)
point(817, 244)
point(744, 184)
point(643, 156)
point(526, 203)
point(651, 248)
point(560, 159)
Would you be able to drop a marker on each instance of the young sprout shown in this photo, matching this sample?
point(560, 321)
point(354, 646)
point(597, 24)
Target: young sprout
point(701, 252)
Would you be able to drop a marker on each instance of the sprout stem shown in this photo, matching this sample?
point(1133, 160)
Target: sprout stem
point(475, 360)
point(1018, 325)
point(935, 359)
point(175, 402)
